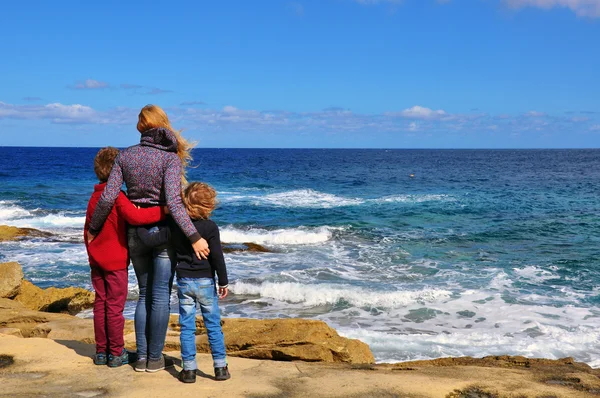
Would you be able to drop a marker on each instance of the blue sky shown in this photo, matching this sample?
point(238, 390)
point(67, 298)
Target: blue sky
point(305, 73)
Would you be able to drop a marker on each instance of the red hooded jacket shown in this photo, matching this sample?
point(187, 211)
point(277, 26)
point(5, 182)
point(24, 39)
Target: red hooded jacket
point(109, 249)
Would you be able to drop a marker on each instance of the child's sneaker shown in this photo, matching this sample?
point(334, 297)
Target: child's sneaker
point(187, 376)
point(116, 361)
point(100, 358)
point(222, 374)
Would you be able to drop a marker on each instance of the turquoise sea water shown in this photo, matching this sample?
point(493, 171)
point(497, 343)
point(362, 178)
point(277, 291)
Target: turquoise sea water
point(481, 252)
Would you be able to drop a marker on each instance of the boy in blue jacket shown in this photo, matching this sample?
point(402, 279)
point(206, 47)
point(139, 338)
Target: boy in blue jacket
point(196, 279)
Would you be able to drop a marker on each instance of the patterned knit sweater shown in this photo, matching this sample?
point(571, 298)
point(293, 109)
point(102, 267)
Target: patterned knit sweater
point(152, 173)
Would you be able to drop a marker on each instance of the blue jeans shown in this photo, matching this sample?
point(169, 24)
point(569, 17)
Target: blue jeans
point(202, 292)
point(154, 269)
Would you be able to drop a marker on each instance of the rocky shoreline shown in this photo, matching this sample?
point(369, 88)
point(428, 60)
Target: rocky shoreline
point(43, 367)
point(28, 311)
point(46, 351)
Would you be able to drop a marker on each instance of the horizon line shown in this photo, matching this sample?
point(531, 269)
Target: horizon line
point(328, 148)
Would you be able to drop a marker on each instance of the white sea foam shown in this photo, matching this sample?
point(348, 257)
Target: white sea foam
point(313, 295)
point(500, 281)
point(415, 198)
point(581, 342)
point(430, 323)
point(292, 236)
point(10, 211)
point(42, 255)
point(302, 198)
point(50, 221)
point(13, 214)
point(476, 323)
point(309, 198)
point(534, 274)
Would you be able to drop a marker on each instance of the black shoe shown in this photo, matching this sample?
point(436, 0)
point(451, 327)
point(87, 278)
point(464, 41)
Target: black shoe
point(222, 374)
point(187, 376)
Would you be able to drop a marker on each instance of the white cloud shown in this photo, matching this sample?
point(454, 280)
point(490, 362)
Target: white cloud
point(419, 112)
point(67, 114)
point(91, 84)
point(337, 109)
point(583, 8)
point(230, 109)
point(56, 111)
point(417, 120)
point(535, 114)
point(76, 111)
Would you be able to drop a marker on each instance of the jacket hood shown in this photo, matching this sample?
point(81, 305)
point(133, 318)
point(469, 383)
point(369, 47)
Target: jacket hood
point(159, 138)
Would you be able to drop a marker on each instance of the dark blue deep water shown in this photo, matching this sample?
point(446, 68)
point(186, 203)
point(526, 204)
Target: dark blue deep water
point(419, 253)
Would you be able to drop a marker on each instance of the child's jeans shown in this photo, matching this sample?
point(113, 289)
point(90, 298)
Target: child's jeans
point(111, 293)
point(202, 292)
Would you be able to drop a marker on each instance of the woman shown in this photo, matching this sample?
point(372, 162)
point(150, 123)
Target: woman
point(153, 172)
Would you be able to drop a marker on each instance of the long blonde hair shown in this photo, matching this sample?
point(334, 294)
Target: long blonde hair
point(152, 116)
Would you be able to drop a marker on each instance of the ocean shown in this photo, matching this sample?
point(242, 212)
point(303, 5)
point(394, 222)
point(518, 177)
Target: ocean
point(419, 253)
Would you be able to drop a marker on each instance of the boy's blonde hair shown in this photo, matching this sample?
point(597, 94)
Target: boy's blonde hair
point(103, 162)
point(152, 116)
point(200, 200)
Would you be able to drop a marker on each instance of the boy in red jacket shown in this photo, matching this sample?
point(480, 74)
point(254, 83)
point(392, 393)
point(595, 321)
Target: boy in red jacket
point(109, 260)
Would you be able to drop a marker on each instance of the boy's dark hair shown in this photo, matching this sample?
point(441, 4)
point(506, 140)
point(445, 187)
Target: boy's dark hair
point(103, 162)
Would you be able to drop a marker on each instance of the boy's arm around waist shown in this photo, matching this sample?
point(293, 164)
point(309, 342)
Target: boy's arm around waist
point(138, 216)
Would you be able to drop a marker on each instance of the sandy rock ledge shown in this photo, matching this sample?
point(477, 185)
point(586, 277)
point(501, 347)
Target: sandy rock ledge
point(11, 278)
point(70, 299)
point(9, 233)
point(37, 367)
